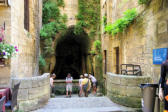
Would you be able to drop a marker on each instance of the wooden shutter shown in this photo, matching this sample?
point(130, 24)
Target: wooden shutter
point(26, 14)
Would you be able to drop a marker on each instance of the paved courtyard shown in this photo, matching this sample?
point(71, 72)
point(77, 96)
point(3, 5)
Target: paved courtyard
point(82, 104)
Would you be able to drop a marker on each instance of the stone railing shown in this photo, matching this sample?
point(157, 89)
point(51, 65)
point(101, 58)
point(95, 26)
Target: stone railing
point(34, 92)
point(124, 89)
point(60, 87)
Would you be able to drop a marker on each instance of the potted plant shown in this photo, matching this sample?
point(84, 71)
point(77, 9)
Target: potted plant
point(6, 50)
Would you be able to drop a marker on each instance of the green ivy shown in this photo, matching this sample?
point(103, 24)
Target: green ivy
point(97, 45)
point(122, 23)
point(50, 12)
point(88, 17)
point(144, 2)
point(42, 62)
point(105, 20)
point(53, 23)
point(60, 3)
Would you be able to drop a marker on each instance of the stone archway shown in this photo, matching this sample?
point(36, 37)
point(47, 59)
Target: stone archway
point(71, 53)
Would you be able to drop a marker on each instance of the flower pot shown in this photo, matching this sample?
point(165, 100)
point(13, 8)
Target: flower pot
point(2, 62)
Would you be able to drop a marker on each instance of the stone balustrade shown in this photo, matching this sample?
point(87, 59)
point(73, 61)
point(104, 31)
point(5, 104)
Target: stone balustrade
point(34, 92)
point(124, 89)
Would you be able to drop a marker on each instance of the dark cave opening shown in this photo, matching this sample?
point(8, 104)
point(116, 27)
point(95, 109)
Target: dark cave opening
point(71, 52)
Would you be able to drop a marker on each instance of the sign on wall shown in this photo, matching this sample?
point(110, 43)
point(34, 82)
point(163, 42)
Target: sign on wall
point(159, 55)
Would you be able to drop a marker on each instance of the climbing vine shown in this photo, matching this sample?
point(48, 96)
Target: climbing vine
point(88, 17)
point(122, 23)
point(146, 2)
point(42, 62)
point(53, 23)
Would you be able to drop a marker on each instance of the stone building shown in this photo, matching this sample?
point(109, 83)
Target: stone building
point(22, 20)
point(135, 45)
point(70, 56)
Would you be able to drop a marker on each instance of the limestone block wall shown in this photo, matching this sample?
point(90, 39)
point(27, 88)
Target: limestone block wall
point(71, 10)
point(149, 31)
point(33, 92)
point(125, 89)
point(25, 64)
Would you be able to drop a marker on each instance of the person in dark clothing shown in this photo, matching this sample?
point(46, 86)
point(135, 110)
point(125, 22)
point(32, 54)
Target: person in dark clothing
point(163, 84)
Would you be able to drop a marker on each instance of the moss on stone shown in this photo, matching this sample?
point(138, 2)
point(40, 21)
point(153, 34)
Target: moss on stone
point(126, 101)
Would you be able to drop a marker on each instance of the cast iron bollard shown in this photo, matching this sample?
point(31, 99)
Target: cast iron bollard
point(148, 97)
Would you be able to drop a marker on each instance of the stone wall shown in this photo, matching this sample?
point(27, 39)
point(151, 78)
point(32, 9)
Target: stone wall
point(149, 31)
point(71, 10)
point(125, 89)
point(25, 64)
point(33, 92)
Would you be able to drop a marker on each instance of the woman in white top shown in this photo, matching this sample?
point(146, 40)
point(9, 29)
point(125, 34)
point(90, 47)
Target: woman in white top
point(94, 82)
point(69, 85)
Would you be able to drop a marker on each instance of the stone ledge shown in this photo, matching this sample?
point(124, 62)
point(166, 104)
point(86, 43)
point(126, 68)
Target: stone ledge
point(34, 92)
point(124, 89)
point(127, 80)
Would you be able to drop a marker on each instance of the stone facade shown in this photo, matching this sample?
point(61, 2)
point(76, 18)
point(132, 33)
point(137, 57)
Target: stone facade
point(25, 63)
point(149, 31)
point(125, 89)
point(33, 92)
point(71, 10)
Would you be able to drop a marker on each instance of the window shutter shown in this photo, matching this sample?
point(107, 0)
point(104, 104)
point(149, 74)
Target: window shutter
point(26, 14)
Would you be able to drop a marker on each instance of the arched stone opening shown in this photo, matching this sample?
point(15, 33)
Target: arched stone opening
point(71, 54)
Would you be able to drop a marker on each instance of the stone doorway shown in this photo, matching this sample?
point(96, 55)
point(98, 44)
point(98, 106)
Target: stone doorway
point(117, 61)
point(71, 54)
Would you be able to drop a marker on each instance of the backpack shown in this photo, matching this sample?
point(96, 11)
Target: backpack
point(85, 86)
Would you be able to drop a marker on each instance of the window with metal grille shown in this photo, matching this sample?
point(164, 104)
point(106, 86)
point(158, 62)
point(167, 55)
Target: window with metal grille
point(26, 14)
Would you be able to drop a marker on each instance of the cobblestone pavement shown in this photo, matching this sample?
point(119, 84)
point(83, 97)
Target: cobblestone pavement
point(82, 104)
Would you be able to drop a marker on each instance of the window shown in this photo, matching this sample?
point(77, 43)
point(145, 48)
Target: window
point(105, 61)
point(26, 14)
point(3, 2)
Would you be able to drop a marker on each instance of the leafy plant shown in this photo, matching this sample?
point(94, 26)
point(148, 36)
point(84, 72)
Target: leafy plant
point(60, 3)
point(53, 23)
point(105, 20)
point(122, 23)
point(144, 2)
point(50, 12)
point(7, 51)
point(48, 30)
point(88, 18)
point(42, 62)
point(97, 45)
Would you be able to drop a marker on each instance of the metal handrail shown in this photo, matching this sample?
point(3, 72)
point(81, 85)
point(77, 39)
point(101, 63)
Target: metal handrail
point(135, 69)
